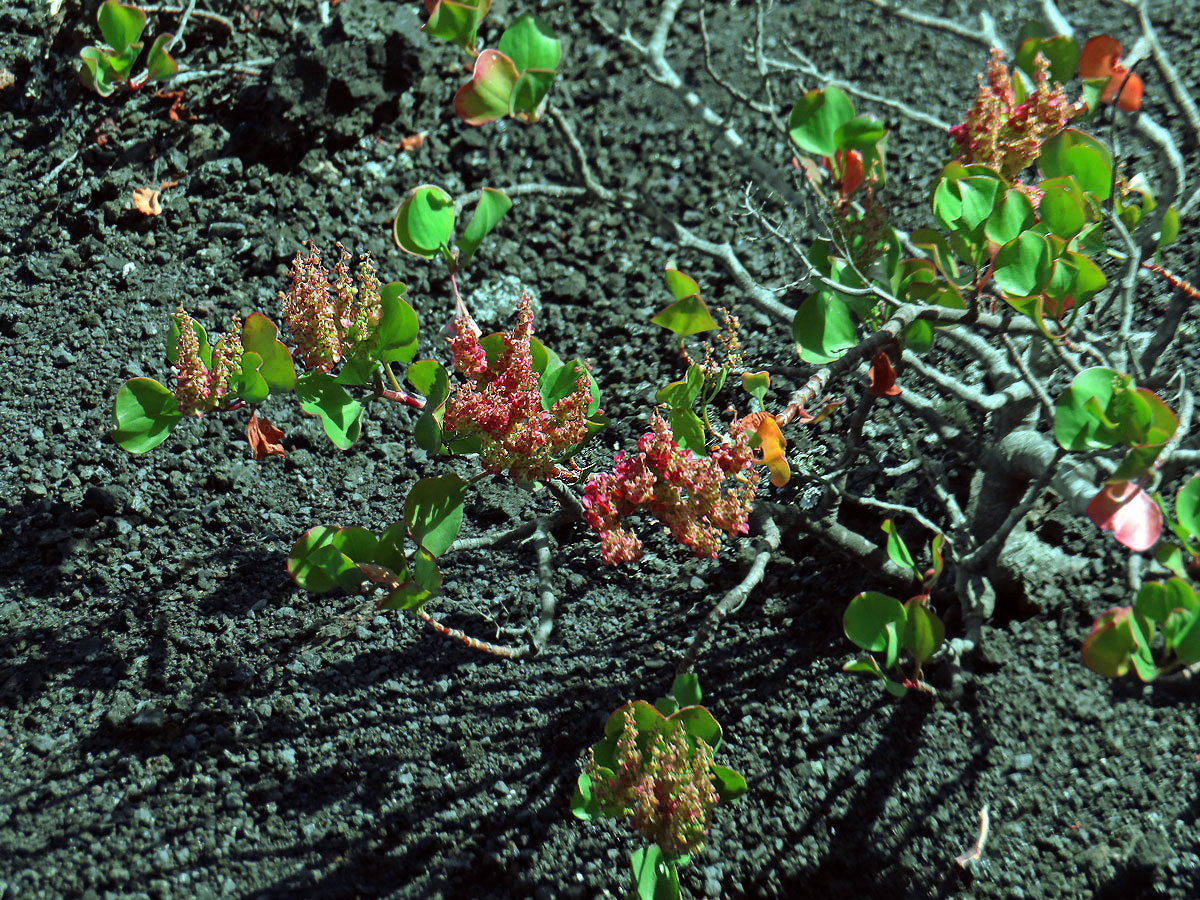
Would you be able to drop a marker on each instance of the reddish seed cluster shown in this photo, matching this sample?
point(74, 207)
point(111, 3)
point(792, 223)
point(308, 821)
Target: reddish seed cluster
point(330, 319)
point(199, 389)
point(1003, 134)
point(502, 406)
point(683, 491)
point(667, 791)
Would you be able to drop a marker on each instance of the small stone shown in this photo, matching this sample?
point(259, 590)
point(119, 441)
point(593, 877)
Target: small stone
point(1022, 761)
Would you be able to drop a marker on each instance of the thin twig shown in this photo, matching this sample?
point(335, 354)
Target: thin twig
point(198, 13)
point(542, 189)
point(985, 34)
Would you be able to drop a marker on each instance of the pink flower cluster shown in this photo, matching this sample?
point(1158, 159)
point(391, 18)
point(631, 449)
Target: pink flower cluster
point(1003, 134)
point(683, 491)
point(667, 791)
point(501, 405)
point(199, 389)
point(330, 319)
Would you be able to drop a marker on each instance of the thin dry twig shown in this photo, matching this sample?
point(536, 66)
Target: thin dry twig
point(976, 852)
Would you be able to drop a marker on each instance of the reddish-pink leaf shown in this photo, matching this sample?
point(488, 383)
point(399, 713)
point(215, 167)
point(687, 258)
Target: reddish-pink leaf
point(1128, 512)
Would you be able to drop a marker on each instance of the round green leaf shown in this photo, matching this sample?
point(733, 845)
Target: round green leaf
point(425, 222)
point(686, 317)
point(824, 328)
point(396, 335)
point(261, 335)
point(531, 44)
point(1063, 209)
point(341, 415)
point(143, 415)
point(868, 618)
point(1072, 152)
point(1024, 264)
point(433, 512)
point(1076, 427)
point(815, 119)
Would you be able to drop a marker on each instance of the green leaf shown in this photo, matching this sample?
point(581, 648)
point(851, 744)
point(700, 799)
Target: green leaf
point(824, 328)
point(120, 25)
point(686, 689)
point(531, 44)
point(492, 205)
point(1072, 152)
point(681, 285)
point(923, 630)
point(486, 97)
point(868, 618)
point(1108, 648)
point(457, 21)
point(897, 550)
point(1024, 265)
point(1151, 602)
point(1187, 506)
point(860, 133)
point(326, 557)
point(159, 64)
point(1076, 427)
point(341, 415)
point(425, 222)
point(248, 384)
point(730, 785)
point(978, 197)
point(433, 511)
point(261, 335)
point(687, 429)
point(396, 334)
point(97, 73)
point(583, 803)
point(560, 383)
point(531, 88)
point(699, 723)
point(1063, 209)
point(1187, 640)
point(1061, 52)
point(654, 878)
point(431, 380)
point(686, 316)
point(143, 415)
point(815, 119)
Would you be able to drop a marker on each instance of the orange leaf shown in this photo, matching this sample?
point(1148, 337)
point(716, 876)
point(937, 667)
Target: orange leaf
point(773, 445)
point(264, 437)
point(1098, 56)
point(412, 142)
point(1129, 84)
point(145, 199)
point(882, 377)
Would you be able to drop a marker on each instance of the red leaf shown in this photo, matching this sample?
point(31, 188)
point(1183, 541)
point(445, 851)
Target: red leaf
point(264, 437)
point(882, 377)
point(852, 172)
point(1128, 512)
